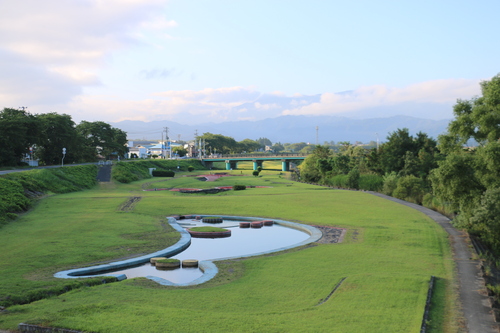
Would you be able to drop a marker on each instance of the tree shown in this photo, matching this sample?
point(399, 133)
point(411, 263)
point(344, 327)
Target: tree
point(248, 146)
point(311, 169)
point(19, 131)
point(180, 151)
point(58, 132)
point(467, 173)
point(278, 147)
point(220, 143)
point(485, 220)
point(394, 150)
point(100, 138)
point(456, 183)
point(263, 142)
point(478, 118)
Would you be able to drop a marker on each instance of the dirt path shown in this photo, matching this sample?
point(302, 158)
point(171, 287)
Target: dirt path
point(475, 303)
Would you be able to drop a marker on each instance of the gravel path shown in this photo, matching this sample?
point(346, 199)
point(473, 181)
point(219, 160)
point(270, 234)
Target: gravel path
point(476, 305)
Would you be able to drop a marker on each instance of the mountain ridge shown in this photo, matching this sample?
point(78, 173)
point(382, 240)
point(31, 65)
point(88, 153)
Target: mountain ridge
point(289, 128)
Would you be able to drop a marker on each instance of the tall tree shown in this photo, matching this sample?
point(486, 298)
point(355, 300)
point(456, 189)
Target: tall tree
point(248, 146)
point(19, 130)
point(102, 139)
point(467, 174)
point(219, 143)
point(57, 132)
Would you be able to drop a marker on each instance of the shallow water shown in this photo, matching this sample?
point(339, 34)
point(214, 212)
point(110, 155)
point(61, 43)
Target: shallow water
point(243, 242)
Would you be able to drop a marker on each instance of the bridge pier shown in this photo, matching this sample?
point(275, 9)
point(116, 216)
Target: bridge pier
point(231, 165)
point(285, 165)
point(257, 164)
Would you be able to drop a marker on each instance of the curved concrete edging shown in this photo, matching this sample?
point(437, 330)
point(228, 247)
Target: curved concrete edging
point(208, 267)
point(180, 246)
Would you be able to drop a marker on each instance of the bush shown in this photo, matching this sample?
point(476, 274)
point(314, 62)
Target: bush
point(163, 173)
point(239, 187)
point(410, 188)
point(190, 168)
point(337, 181)
point(255, 173)
point(371, 182)
point(390, 183)
point(126, 172)
point(353, 179)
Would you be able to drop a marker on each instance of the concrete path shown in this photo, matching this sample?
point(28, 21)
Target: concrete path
point(475, 302)
point(104, 173)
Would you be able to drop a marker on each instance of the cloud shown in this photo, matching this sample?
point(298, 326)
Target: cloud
point(222, 97)
point(186, 106)
point(55, 46)
point(444, 92)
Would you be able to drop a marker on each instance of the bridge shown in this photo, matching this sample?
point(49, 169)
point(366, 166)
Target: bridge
point(232, 160)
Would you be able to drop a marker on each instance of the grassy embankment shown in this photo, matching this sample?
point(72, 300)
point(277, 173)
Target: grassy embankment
point(388, 256)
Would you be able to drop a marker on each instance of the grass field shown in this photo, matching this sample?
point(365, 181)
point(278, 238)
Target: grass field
point(387, 258)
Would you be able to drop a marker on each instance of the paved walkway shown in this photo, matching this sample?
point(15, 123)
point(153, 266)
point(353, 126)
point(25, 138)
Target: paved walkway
point(475, 304)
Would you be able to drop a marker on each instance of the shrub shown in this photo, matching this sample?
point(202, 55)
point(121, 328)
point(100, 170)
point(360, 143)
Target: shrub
point(163, 173)
point(371, 182)
point(190, 168)
point(353, 179)
point(239, 187)
point(337, 181)
point(410, 188)
point(390, 183)
point(255, 173)
point(259, 168)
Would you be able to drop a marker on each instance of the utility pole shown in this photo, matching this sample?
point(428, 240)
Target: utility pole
point(163, 143)
point(195, 142)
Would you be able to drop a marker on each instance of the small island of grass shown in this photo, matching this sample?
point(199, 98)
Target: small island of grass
point(209, 232)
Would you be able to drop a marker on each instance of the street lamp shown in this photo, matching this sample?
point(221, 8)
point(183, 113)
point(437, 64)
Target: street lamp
point(64, 154)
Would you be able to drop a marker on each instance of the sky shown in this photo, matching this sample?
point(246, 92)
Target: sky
point(198, 61)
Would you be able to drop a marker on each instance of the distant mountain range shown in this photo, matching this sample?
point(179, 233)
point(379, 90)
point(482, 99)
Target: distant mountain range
point(289, 129)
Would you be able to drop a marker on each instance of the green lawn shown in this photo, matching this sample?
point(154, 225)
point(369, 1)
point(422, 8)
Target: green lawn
point(388, 256)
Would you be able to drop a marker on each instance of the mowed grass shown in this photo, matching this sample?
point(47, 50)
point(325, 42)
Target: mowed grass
point(387, 258)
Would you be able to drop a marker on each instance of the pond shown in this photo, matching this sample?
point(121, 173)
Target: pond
point(243, 242)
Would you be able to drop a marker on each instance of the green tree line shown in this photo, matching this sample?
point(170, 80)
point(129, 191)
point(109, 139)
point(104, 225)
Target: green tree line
point(45, 135)
point(459, 174)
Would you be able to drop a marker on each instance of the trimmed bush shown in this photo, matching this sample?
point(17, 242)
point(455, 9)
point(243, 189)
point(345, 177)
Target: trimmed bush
point(190, 168)
point(371, 182)
point(239, 187)
point(255, 173)
point(163, 173)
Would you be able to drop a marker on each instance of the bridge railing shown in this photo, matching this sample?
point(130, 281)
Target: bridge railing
point(219, 156)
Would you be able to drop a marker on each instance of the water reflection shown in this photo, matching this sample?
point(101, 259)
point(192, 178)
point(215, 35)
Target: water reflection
point(243, 242)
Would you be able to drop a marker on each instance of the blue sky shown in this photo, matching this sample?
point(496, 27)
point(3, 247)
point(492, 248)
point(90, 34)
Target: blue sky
point(194, 61)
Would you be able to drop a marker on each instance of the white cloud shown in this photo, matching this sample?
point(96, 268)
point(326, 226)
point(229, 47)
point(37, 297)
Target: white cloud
point(222, 97)
point(267, 106)
point(58, 46)
point(434, 92)
point(187, 106)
